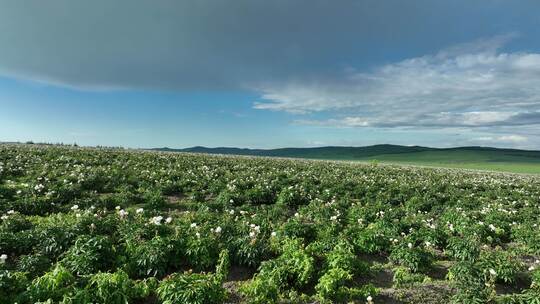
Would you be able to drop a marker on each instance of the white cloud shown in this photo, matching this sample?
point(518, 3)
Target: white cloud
point(503, 139)
point(470, 85)
point(345, 122)
point(512, 138)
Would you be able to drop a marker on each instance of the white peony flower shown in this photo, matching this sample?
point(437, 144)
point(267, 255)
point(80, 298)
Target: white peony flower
point(156, 220)
point(139, 211)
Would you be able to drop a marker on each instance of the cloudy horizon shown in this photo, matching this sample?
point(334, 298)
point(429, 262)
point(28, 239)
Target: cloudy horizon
point(274, 74)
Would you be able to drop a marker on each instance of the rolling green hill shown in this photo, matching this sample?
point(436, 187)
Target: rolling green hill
point(482, 158)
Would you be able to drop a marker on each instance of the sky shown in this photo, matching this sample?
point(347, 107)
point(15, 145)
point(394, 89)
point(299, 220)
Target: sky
point(268, 74)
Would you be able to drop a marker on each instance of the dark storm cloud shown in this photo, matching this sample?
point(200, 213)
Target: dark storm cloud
point(202, 44)
point(377, 64)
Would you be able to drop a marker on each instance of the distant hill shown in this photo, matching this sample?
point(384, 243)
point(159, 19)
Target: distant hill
point(512, 160)
point(349, 153)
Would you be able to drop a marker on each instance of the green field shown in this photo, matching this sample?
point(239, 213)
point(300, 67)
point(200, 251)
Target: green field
point(466, 160)
point(90, 225)
point(477, 158)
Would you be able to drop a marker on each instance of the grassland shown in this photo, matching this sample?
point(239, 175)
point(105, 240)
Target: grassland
point(81, 225)
point(477, 158)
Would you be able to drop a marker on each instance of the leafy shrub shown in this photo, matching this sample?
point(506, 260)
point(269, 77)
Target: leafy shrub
point(148, 258)
point(17, 243)
point(531, 295)
point(403, 277)
point(463, 249)
point(34, 264)
point(292, 196)
point(331, 284)
point(372, 239)
point(88, 255)
point(12, 284)
point(52, 285)
point(201, 252)
point(154, 199)
point(294, 268)
point(116, 288)
point(471, 284)
point(191, 288)
point(414, 258)
point(505, 264)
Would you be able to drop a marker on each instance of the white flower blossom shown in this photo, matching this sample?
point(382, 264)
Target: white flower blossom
point(156, 220)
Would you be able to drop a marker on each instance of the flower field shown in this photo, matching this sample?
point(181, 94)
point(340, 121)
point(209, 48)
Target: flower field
point(82, 225)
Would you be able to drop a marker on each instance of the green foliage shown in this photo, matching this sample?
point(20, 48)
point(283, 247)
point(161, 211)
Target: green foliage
point(505, 264)
point(403, 277)
point(35, 264)
point(473, 286)
point(414, 258)
point(463, 249)
point(148, 258)
point(331, 285)
point(154, 199)
point(294, 268)
point(117, 288)
point(89, 255)
point(53, 285)
point(12, 284)
point(82, 225)
point(191, 288)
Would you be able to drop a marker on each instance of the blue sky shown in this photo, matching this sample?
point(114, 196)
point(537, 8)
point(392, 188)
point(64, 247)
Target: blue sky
point(271, 74)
